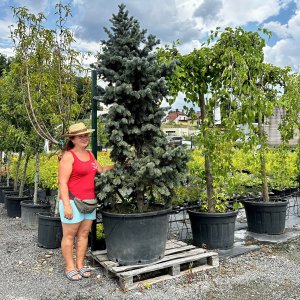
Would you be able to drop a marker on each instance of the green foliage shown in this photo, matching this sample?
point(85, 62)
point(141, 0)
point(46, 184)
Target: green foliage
point(229, 70)
point(47, 69)
point(48, 169)
point(242, 180)
point(99, 231)
point(145, 167)
point(4, 64)
point(102, 136)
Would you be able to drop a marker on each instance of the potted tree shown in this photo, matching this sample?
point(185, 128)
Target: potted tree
point(265, 214)
point(290, 125)
point(136, 194)
point(47, 72)
point(27, 141)
point(38, 203)
point(225, 72)
point(5, 148)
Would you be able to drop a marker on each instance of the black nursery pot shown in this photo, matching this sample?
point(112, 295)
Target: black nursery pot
point(13, 205)
point(29, 212)
point(49, 231)
point(2, 189)
point(136, 238)
point(214, 230)
point(9, 193)
point(266, 217)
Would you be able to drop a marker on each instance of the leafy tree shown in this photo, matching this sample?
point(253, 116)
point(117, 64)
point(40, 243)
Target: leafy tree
point(290, 105)
point(4, 64)
point(230, 75)
point(48, 69)
point(145, 168)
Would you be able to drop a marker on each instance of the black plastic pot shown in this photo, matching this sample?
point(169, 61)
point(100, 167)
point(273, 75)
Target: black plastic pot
point(29, 212)
point(13, 205)
point(284, 192)
point(13, 193)
point(266, 217)
point(49, 231)
point(99, 244)
point(214, 230)
point(2, 189)
point(136, 238)
point(8, 193)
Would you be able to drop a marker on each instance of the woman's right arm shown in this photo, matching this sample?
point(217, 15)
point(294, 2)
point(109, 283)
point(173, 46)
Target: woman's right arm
point(64, 173)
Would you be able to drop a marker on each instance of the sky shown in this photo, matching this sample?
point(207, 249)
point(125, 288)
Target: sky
point(186, 20)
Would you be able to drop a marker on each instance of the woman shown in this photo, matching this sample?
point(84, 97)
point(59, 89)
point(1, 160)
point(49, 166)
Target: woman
point(76, 173)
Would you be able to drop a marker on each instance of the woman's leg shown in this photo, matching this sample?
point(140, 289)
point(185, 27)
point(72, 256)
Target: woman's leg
point(67, 244)
point(82, 243)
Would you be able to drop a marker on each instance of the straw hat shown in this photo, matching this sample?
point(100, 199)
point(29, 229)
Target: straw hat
point(77, 129)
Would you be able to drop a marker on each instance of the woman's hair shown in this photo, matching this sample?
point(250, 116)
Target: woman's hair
point(68, 145)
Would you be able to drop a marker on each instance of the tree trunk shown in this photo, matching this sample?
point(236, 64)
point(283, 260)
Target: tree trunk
point(36, 178)
point(56, 209)
point(208, 174)
point(262, 157)
point(8, 158)
point(17, 171)
point(22, 183)
point(1, 156)
point(298, 160)
point(140, 201)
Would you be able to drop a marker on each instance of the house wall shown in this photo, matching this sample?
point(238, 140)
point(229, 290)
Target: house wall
point(271, 129)
point(180, 131)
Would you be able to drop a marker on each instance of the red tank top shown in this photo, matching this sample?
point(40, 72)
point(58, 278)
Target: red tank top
point(81, 182)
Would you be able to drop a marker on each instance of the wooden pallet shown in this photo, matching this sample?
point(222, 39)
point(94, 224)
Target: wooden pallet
point(180, 259)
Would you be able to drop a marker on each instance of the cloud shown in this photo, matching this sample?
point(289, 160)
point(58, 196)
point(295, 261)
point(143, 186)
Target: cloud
point(277, 28)
point(161, 18)
point(35, 6)
point(208, 9)
point(9, 52)
point(5, 31)
point(285, 52)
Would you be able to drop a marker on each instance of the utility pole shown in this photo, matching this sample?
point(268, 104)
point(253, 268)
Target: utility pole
point(94, 112)
point(94, 145)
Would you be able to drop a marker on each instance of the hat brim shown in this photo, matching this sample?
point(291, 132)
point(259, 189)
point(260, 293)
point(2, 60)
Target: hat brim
point(78, 133)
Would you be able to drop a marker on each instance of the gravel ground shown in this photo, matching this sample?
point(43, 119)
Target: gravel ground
point(30, 272)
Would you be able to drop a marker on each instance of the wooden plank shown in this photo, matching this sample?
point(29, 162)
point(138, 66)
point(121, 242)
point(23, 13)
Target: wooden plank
point(154, 280)
point(108, 264)
point(176, 244)
point(98, 252)
point(167, 264)
point(181, 249)
point(102, 257)
point(119, 269)
point(169, 245)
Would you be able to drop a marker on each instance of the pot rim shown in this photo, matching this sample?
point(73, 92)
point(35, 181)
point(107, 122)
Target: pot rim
point(137, 215)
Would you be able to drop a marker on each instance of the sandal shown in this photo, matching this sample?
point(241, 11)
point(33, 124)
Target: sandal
point(70, 275)
point(84, 270)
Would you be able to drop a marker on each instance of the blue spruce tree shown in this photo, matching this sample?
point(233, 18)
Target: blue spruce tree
point(146, 169)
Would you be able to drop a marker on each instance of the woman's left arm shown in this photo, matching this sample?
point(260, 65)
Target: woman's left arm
point(102, 169)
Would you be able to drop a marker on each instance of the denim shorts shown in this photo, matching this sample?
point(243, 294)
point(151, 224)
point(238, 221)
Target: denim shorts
point(77, 215)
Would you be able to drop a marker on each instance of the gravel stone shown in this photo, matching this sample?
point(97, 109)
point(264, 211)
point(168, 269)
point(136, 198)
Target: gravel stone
point(33, 273)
